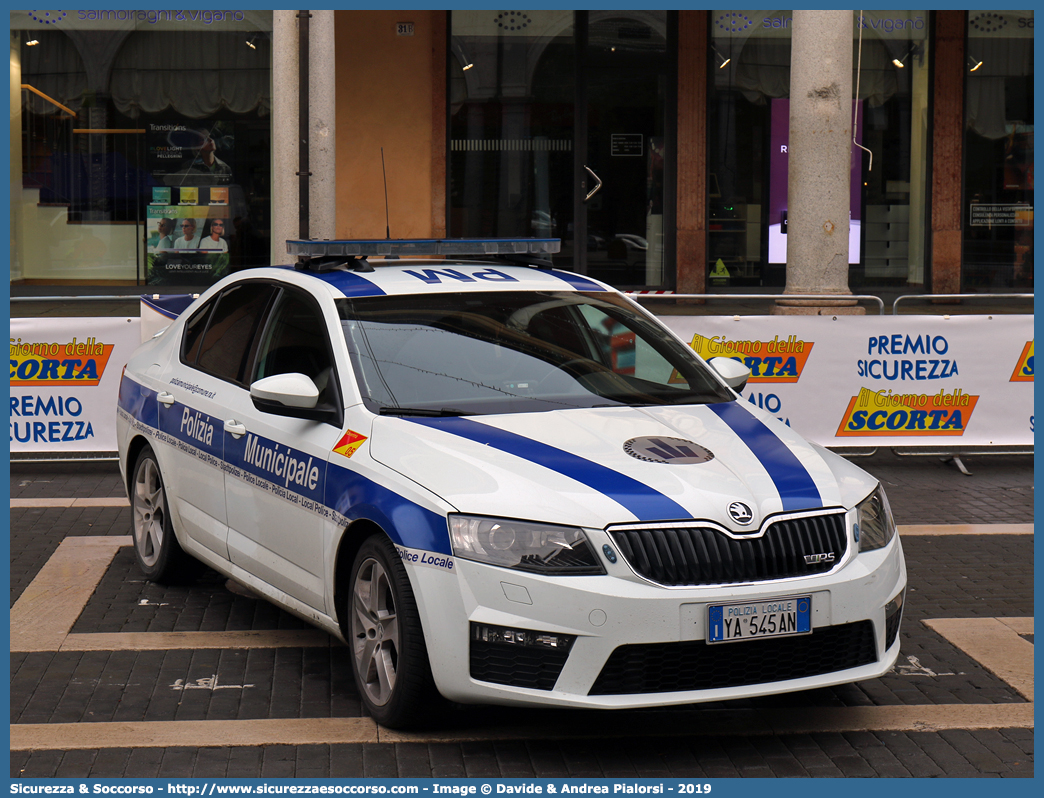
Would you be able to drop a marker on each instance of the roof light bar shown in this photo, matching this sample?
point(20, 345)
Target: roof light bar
point(422, 247)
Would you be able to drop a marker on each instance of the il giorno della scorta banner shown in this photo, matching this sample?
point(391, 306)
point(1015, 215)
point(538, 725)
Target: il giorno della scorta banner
point(847, 381)
point(882, 380)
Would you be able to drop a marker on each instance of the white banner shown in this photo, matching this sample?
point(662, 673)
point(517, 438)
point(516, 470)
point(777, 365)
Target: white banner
point(65, 379)
point(851, 381)
point(938, 381)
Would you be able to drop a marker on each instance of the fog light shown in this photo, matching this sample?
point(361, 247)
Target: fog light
point(526, 638)
point(893, 616)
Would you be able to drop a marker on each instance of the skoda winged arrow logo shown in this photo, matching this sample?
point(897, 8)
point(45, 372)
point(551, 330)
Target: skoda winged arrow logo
point(741, 513)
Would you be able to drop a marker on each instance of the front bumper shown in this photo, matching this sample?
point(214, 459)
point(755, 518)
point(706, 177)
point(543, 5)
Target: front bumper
point(657, 633)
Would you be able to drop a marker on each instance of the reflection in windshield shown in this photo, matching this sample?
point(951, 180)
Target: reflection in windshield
point(511, 352)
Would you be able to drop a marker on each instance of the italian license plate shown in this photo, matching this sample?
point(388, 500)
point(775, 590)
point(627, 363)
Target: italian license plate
point(754, 620)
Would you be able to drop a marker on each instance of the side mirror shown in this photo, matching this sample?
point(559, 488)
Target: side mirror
point(288, 390)
point(732, 371)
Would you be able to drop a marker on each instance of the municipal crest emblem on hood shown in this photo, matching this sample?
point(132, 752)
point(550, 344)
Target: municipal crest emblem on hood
point(674, 451)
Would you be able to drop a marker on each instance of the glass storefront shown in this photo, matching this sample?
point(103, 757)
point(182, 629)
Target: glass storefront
point(998, 152)
point(558, 127)
point(748, 120)
point(141, 145)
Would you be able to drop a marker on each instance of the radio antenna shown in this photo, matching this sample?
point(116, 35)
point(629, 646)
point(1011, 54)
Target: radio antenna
point(387, 227)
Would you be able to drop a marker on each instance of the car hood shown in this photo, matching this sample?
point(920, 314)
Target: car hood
point(601, 466)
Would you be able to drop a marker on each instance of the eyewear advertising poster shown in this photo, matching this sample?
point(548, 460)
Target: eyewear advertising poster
point(778, 175)
point(190, 220)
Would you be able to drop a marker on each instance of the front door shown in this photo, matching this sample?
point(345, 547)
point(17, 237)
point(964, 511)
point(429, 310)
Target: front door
point(273, 530)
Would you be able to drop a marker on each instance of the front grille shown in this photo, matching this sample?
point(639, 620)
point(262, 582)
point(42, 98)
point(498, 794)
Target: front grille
point(705, 556)
point(518, 666)
point(695, 665)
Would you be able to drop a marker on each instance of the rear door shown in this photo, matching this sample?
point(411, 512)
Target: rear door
point(216, 347)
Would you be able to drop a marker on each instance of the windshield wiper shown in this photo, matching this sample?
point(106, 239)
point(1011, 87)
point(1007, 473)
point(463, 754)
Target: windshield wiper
point(422, 411)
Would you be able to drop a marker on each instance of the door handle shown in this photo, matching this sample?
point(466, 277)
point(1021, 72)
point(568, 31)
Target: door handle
point(234, 428)
point(594, 190)
point(165, 398)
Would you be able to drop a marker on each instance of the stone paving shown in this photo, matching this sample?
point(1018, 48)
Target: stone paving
point(952, 576)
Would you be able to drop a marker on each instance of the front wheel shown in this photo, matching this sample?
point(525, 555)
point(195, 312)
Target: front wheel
point(156, 549)
point(389, 658)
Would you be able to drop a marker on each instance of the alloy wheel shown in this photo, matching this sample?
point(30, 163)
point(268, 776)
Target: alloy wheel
point(375, 631)
point(149, 509)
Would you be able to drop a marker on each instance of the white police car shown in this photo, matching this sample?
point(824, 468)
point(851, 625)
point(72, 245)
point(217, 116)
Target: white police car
point(501, 482)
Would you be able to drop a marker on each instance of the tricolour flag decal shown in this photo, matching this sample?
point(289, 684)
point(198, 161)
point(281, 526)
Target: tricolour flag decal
point(349, 443)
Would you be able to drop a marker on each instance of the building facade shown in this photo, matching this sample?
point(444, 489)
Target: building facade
point(653, 143)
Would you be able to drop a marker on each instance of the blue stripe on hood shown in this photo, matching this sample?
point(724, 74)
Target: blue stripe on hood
point(644, 502)
point(795, 485)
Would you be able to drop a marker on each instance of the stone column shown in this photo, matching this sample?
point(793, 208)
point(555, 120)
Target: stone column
point(820, 153)
point(322, 201)
point(322, 101)
point(17, 194)
point(284, 133)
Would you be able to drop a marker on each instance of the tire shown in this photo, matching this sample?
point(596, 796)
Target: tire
point(389, 658)
point(156, 548)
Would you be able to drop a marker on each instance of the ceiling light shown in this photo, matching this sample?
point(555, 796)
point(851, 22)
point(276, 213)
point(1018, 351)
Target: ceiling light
point(974, 62)
point(250, 43)
point(32, 43)
point(468, 66)
point(915, 50)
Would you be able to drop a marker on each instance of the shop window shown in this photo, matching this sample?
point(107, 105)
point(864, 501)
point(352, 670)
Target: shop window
point(748, 122)
point(998, 152)
point(129, 123)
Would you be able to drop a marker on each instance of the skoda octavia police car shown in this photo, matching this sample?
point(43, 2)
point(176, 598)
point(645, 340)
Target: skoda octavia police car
point(501, 483)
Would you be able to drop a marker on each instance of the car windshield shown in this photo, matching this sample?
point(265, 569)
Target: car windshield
point(514, 352)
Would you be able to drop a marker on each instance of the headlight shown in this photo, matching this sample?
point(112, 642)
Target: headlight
point(525, 546)
point(874, 525)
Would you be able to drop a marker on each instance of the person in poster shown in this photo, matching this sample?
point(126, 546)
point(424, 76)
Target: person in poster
point(214, 241)
point(166, 234)
point(190, 239)
point(203, 167)
point(193, 153)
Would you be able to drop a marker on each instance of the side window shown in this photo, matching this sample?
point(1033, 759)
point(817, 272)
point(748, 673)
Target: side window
point(296, 341)
point(194, 334)
point(231, 335)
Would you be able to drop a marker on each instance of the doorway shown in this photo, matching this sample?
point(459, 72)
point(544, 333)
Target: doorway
point(559, 127)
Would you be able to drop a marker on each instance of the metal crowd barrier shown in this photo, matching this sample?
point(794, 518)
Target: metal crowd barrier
point(745, 297)
point(954, 457)
point(895, 305)
point(98, 298)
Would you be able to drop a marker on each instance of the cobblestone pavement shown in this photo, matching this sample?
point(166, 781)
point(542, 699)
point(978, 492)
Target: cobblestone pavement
point(970, 576)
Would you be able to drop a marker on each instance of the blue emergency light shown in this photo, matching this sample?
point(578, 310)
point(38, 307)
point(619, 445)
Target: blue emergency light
point(421, 247)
